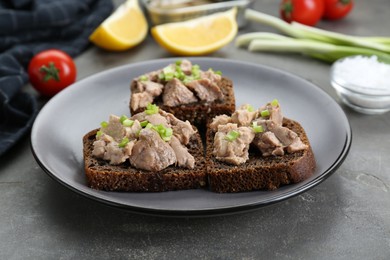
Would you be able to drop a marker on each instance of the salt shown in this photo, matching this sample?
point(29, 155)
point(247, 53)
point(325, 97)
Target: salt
point(363, 74)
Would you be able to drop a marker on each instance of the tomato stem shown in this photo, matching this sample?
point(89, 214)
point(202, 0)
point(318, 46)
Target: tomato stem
point(345, 2)
point(288, 8)
point(50, 72)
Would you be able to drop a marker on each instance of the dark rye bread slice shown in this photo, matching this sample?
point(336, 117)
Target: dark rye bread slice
point(260, 173)
point(198, 113)
point(103, 176)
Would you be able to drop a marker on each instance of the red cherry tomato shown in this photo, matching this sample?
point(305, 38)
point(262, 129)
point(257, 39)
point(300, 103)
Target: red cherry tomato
point(51, 71)
point(307, 12)
point(337, 9)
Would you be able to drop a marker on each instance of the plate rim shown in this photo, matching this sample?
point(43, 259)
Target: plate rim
point(206, 211)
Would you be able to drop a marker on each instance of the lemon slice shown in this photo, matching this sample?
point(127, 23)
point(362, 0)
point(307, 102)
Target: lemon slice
point(123, 29)
point(198, 36)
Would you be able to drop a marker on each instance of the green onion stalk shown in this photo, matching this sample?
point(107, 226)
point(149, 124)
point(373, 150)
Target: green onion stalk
point(314, 42)
point(232, 135)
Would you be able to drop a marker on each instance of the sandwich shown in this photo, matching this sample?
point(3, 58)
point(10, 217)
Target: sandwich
point(256, 149)
point(151, 151)
point(185, 90)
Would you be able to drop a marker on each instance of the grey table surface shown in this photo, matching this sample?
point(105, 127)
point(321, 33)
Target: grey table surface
point(345, 217)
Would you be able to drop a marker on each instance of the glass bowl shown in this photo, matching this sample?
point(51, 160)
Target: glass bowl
point(362, 83)
point(160, 14)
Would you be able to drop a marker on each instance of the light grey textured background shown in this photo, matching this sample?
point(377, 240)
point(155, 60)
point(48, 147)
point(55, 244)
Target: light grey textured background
point(345, 217)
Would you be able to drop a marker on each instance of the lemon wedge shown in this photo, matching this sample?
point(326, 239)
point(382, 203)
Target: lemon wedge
point(126, 27)
point(197, 36)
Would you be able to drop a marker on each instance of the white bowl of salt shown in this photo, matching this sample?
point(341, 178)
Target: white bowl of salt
point(362, 83)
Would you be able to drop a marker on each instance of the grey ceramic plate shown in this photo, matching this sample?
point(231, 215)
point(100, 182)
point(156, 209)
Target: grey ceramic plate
point(56, 137)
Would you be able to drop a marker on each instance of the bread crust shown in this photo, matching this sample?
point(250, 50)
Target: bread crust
point(103, 176)
point(260, 173)
point(198, 113)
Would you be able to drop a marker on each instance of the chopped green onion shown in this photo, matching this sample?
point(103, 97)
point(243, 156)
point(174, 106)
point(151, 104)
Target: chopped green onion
point(250, 108)
point(98, 134)
point(159, 128)
point(169, 76)
point(195, 70)
point(257, 128)
point(166, 138)
point(127, 122)
point(178, 62)
point(196, 75)
point(188, 79)
point(178, 69)
point(104, 124)
point(149, 126)
point(265, 113)
point(144, 78)
point(232, 135)
point(168, 69)
point(179, 74)
point(218, 72)
point(151, 109)
point(275, 102)
point(164, 132)
point(124, 142)
point(123, 118)
point(144, 123)
point(167, 73)
point(168, 131)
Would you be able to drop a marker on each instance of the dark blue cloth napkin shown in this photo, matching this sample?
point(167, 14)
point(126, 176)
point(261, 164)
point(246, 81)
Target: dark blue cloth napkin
point(26, 28)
